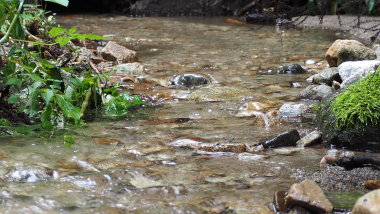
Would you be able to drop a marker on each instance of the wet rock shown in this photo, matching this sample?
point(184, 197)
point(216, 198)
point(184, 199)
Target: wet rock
point(376, 48)
point(288, 138)
point(279, 201)
point(309, 195)
point(291, 69)
point(190, 80)
point(336, 85)
point(372, 184)
point(292, 110)
point(222, 147)
point(114, 52)
point(299, 210)
point(28, 174)
point(355, 53)
point(184, 143)
point(333, 52)
point(250, 157)
point(226, 93)
point(254, 106)
point(250, 209)
point(312, 138)
point(368, 203)
point(315, 92)
point(254, 147)
point(128, 69)
point(351, 71)
point(287, 151)
point(326, 77)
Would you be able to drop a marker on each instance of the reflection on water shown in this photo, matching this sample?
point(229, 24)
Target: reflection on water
point(129, 165)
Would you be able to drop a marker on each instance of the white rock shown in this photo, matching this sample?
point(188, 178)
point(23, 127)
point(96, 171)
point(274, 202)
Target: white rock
point(353, 70)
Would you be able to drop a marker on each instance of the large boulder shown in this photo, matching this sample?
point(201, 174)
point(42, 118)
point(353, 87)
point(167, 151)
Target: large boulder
point(355, 53)
point(114, 52)
point(366, 138)
point(368, 203)
point(333, 52)
point(351, 71)
point(309, 195)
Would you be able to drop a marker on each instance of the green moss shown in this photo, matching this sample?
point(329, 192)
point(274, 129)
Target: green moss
point(359, 105)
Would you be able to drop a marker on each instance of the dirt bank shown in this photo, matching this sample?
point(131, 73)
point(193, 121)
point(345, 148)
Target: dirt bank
point(347, 24)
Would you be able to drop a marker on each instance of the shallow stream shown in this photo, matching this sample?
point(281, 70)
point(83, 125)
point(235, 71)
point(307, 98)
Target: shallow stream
point(127, 166)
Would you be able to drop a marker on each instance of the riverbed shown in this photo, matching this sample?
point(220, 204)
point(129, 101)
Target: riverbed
point(127, 165)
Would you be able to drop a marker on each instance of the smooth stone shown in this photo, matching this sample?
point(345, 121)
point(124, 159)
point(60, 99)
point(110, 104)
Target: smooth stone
point(279, 201)
point(288, 138)
point(292, 110)
point(190, 80)
point(309, 195)
point(114, 52)
point(326, 77)
point(333, 52)
point(312, 138)
point(299, 210)
point(287, 151)
point(316, 92)
point(372, 184)
point(221, 93)
point(368, 203)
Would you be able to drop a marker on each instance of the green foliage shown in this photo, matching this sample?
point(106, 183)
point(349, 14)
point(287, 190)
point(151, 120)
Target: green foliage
point(68, 140)
point(63, 36)
point(120, 105)
point(50, 94)
point(359, 105)
point(61, 2)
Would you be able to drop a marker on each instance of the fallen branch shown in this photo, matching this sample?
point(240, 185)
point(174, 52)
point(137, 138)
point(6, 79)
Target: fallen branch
point(253, 3)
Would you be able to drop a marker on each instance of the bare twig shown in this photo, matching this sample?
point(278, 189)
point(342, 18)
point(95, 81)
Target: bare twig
point(253, 3)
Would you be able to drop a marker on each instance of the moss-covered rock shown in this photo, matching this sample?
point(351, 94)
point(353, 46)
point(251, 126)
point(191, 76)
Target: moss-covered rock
point(355, 53)
point(350, 117)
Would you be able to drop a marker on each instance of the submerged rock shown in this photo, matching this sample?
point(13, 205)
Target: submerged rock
point(333, 52)
point(226, 93)
point(222, 147)
point(128, 69)
point(355, 53)
point(114, 52)
point(316, 92)
point(190, 80)
point(368, 203)
point(291, 69)
point(288, 138)
point(28, 174)
point(309, 195)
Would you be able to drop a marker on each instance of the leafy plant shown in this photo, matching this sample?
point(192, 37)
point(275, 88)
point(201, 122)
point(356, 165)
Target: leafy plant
point(120, 105)
point(63, 36)
point(359, 105)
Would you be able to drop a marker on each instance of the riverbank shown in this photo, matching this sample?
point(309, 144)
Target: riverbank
point(331, 22)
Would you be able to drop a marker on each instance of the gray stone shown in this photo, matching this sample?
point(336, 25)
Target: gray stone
point(114, 52)
point(355, 53)
point(291, 69)
point(288, 138)
point(190, 80)
point(309, 195)
point(299, 210)
point(128, 69)
point(226, 93)
point(354, 70)
point(310, 139)
point(368, 203)
point(315, 92)
point(292, 110)
point(326, 77)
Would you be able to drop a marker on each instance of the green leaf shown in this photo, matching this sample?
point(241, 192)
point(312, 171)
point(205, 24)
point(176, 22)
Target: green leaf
point(72, 30)
point(61, 2)
point(17, 31)
point(62, 41)
point(10, 68)
point(113, 91)
point(3, 16)
point(138, 101)
point(35, 77)
point(33, 102)
point(69, 91)
point(126, 96)
point(88, 82)
point(68, 140)
point(21, 109)
point(56, 31)
point(68, 109)
point(46, 116)
point(371, 3)
point(45, 63)
point(76, 82)
point(47, 96)
point(14, 81)
point(88, 36)
point(14, 99)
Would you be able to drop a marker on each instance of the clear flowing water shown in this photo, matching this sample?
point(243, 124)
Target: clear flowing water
point(126, 165)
